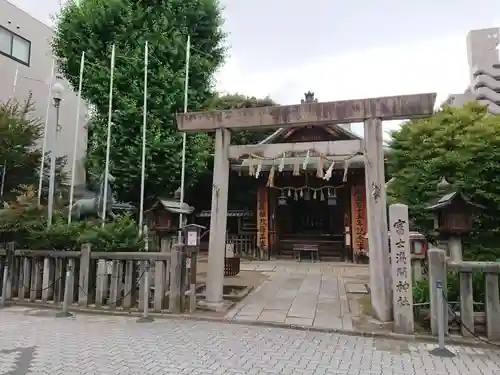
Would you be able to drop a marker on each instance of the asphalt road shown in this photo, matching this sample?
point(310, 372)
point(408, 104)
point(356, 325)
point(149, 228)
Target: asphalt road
point(35, 342)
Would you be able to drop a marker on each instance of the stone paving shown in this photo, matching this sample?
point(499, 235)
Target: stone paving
point(305, 294)
point(34, 342)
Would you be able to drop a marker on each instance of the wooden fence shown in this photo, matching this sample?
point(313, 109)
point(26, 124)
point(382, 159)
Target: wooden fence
point(439, 265)
point(244, 246)
point(106, 280)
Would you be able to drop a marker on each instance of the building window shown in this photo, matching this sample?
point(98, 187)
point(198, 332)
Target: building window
point(15, 46)
point(5, 40)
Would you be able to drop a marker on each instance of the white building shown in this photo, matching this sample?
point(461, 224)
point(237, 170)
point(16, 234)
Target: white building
point(25, 49)
point(484, 68)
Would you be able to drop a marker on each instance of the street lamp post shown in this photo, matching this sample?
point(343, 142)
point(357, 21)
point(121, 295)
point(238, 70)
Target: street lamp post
point(57, 93)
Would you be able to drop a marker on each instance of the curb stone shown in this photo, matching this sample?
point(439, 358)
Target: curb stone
point(422, 338)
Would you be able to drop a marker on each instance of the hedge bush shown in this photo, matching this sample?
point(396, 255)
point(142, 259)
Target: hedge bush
point(25, 224)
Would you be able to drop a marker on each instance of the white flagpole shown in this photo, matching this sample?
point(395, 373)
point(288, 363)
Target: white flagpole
point(144, 128)
point(44, 142)
point(4, 170)
point(183, 168)
point(108, 141)
point(75, 139)
point(14, 84)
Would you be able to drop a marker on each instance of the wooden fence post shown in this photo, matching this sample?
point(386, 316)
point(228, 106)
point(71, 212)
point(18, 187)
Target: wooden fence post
point(36, 278)
point(25, 280)
point(175, 279)
point(10, 274)
point(492, 306)
point(83, 281)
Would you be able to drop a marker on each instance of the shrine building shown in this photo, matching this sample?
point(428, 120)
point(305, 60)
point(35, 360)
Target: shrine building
point(303, 198)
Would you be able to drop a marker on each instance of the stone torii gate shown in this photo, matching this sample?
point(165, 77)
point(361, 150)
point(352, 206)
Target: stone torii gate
point(370, 111)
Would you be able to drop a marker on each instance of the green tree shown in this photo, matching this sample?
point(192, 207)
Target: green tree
point(461, 144)
point(93, 27)
point(230, 101)
point(20, 133)
point(198, 194)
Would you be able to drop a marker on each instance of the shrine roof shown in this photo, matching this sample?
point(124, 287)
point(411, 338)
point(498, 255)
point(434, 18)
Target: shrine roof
point(230, 213)
point(447, 199)
point(335, 130)
point(173, 206)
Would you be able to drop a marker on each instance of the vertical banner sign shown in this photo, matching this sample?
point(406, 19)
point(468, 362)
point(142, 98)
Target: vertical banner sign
point(272, 199)
point(401, 268)
point(262, 218)
point(358, 217)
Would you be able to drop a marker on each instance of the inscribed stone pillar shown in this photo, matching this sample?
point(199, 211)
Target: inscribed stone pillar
point(218, 218)
point(378, 242)
point(401, 269)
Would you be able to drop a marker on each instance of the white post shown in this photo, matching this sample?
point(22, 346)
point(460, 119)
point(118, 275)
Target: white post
point(44, 142)
point(14, 84)
point(144, 131)
point(108, 140)
point(75, 139)
point(401, 269)
point(184, 136)
point(4, 170)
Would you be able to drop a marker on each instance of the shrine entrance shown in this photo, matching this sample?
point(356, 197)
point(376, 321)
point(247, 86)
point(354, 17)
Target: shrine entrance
point(369, 111)
point(303, 196)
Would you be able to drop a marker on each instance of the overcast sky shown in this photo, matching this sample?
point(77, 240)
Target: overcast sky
point(342, 49)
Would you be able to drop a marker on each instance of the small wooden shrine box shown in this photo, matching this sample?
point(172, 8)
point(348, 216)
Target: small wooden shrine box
point(163, 216)
point(453, 213)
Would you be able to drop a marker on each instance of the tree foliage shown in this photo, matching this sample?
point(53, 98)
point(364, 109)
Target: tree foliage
point(199, 193)
point(93, 27)
point(461, 144)
point(20, 151)
point(231, 101)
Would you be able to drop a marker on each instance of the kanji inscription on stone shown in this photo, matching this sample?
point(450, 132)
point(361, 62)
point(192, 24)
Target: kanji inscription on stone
point(401, 268)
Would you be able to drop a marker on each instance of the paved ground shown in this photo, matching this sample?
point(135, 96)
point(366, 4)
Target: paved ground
point(307, 294)
point(34, 342)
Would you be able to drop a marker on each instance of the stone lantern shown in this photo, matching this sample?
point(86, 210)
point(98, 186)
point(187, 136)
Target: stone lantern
point(453, 217)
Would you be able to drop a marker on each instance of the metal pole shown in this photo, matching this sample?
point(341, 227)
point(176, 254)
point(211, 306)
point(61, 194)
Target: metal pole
point(75, 139)
point(14, 84)
point(144, 128)
point(440, 316)
point(4, 170)
point(45, 127)
point(108, 140)
point(192, 287)
point(52, 181)
point(67, 293)
point(4, 173)
point(145, 318)
point(441, 350)
point(184, 137)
